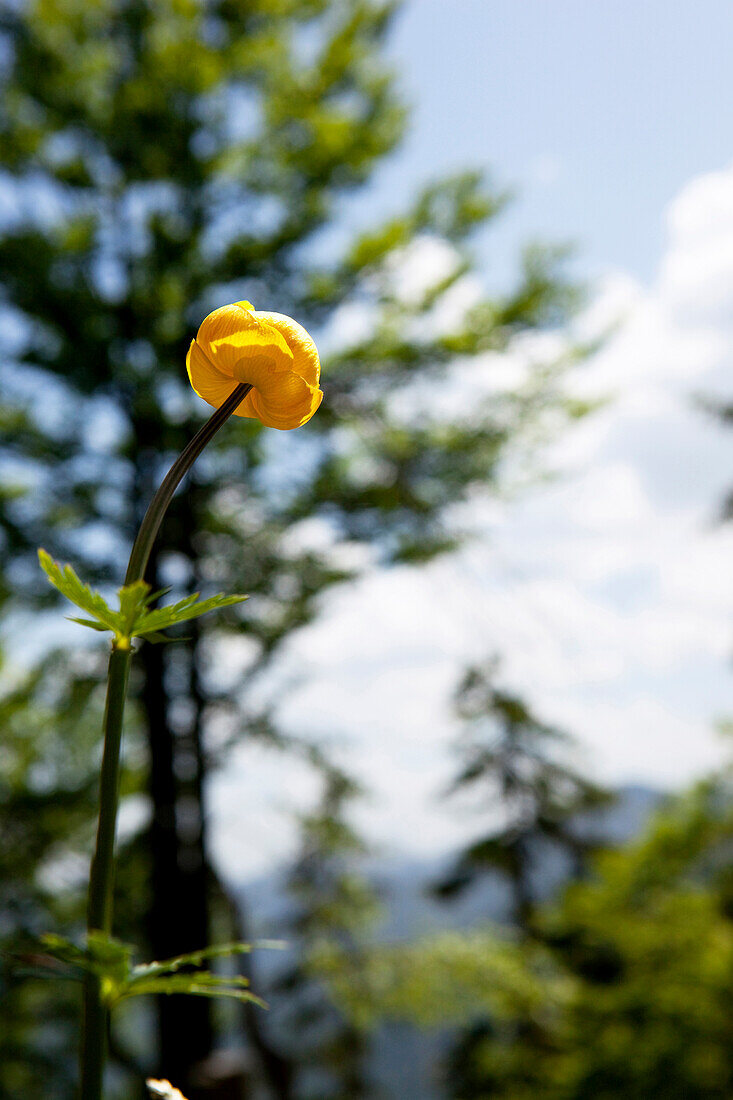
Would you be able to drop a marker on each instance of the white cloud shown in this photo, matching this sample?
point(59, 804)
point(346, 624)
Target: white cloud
point(608, 593)
point(697, 269)
point(414, 269)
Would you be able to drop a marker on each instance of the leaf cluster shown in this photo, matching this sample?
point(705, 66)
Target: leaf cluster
point(120, 979)
point(134, 619)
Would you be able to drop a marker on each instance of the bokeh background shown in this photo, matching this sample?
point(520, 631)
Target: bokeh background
point(465, 747)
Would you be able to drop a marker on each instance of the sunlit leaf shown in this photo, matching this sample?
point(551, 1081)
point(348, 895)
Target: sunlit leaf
point(68, 584)
point(134, 619)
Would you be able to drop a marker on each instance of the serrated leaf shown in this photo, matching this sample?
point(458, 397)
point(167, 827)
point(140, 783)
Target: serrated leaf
point(91, 623)
point(111, 960)
point(189, 608)
point(196, 958)
point(160, 593)
point(133, 620)
point(201, 984)
point(66, 951)
point(134, 598)
point(157, 638)
point(104, 956)
point(69, 585)
point(166, 977)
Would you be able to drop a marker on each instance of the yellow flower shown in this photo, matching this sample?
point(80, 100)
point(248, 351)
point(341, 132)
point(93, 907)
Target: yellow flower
point(164, 1090)
point(271, 351)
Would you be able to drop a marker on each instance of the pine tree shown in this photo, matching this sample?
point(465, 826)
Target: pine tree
point(534, 800)
point(161, 157)
point(516, 762)
point(332, 909)
point(627, 984)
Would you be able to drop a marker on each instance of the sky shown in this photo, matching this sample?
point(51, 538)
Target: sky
point(597, 114)
point(607, 592)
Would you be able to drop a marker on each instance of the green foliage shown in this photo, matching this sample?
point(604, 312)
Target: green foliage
point(627, 992)
point(48, 764)
point(333, 909)
point(134, 618)
point(111, 961)
point(449, 978)
point(518, 766)
point(649, 947)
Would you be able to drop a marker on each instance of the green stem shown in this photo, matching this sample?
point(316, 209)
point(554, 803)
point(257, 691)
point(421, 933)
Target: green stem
point(101, 879)
point(156, 510)
point(99, 911)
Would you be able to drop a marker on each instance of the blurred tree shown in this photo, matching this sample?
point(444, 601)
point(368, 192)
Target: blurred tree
point(628, 992)
point(533, 798)
point(649, 947)
point(48, 756)
point(535, 802)
point(161, 157)
point(332, 906)
point(45, 802)
point(722, 410)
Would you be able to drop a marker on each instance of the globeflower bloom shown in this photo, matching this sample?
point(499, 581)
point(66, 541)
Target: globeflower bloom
point(164, 1090)
point(272, 352)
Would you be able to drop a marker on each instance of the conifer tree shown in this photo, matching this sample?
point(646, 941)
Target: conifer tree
point(532, 794)
point(332, 909)
point(161, 157)
point(624, 991)
point(534, 800)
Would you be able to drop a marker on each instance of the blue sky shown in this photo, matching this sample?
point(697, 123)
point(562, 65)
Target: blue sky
point(596, 112)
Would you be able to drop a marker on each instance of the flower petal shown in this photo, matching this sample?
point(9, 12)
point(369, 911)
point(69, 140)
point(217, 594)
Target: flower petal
point(211, 384)
point(305, 354)
point(232, 335)
point(287, 402)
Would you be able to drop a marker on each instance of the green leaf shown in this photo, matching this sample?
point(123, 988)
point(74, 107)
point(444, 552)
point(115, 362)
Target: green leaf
point(111, 960)
point(157, 595)
point(156, 638)
point(91, 623)
point(65, 951)
point(108, 958)
point(200, 983)
point(69, 585)
point(196, 958)
point(134, 619)
point(189, 608)
point(134, 598)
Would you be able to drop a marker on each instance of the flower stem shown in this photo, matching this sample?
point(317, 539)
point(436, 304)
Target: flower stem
point(156, 510)
point(101, 879)
point(99, 911)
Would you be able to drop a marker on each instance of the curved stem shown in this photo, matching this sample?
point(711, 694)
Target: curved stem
point(99, 910)
point(101, 878)
point(156, 510)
